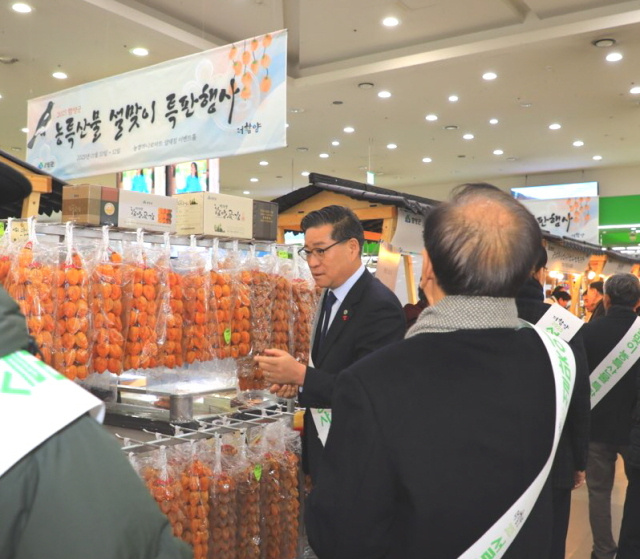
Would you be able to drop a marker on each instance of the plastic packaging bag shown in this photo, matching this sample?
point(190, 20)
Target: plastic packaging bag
point(270, 498)
point(106, 309)
point(282, 308)
point(223, 514)
point(248, 476)
point(6, 250)
point(290, 478)
point(305, 300)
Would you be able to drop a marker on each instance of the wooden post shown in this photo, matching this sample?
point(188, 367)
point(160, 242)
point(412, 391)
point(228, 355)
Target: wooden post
point(411, 282)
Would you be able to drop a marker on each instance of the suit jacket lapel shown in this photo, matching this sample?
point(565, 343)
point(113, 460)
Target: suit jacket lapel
point(316, 320)
point(345, 313)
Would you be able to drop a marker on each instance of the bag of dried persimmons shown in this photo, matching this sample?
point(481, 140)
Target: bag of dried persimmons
point(6, 251)
point(305, 303)
point(247, 475)
point(143, 279)
point(32, 281)
point(282, 308)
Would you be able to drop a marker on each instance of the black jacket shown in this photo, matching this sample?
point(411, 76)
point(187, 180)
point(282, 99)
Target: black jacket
point(432, 440)
point(598, 312)
point(633, 454)
point(611, 417)
point(374, 318)
point(573, 448)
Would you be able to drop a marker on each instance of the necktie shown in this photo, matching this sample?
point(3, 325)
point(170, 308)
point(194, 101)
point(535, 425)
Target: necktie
point(325, 318)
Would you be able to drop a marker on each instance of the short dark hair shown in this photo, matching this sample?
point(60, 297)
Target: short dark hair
point(541, 262)
point(598, 286)
point(557, 289)
point(623, 289)
point(562, 295)
point(482, 242)
point(346, 224)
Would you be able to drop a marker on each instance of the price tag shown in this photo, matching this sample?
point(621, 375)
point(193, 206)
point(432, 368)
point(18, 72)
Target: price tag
point(257, 472)
point(227, 335)
point(283, 253)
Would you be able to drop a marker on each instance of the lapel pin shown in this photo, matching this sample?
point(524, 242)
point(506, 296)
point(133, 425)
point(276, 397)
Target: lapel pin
point(345, 315)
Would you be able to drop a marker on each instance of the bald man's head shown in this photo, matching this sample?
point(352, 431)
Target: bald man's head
point(483, 242)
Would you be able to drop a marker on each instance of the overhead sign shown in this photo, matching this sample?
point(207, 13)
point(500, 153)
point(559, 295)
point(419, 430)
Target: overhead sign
point(566, 260)
point(575, 218)
point(615, 266)
point(408, 235)
point(225, 101)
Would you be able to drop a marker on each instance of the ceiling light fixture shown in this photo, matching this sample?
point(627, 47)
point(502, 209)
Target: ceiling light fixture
point(453, 98)
point(427, 160)
point(603, 43)
point(365, 85)
point(498, 152)
point(349, 129)
point(264, 163)
point(468, 136)
point(296, 110)
point(578, 143)
point(305, 173)
point(25, 130)
point(614, 57)
point(59, 75)
point(253, 179)
point(390, 21)
point(488, 76)
point(21, 8)
point(597, 158)
point(246, 192)
point(335, 143)
point(450, 127)
point(555, 126)
point(494, 121)
point(391, 146)
point(302, 149)
point(384, 94)
point(324, 155)
point(139, 51)
point(431, 118)
point(635, 90)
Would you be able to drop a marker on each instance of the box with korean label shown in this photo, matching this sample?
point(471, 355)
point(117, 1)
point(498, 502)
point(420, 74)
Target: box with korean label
point(90, 204)
point(265, 220)
point(215, 215)
point(149, 211)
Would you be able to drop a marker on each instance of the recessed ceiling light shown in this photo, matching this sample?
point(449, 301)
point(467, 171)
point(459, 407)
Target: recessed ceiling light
point(427, 160)
point(450, 127)
point(453, 98)
point(264, 163)
point(21, 8)
point(365, 85)
point(139, 51)
point(384, 94)
point(390, 21)
point(59, 75)
point(578, 143)
point(337, 102)
point(25, 130)
point(246, 192)
point(555, 126)
point(512, 159)
point(604, 43)
point(614, 57)
point(597, 157)
point(391, 146)
point(286, 125)
point(431, 118)
point(296, 110)
point(526, 105)
point(489, 76)
point(302, 149)
point(0, 96)
point(335, 143)
point(635, 90)
point(324, 155)
point(493, 121)
point(498, 152)
point(349, 129)
point(253, 179)
point(468, 136)
point(305, 173)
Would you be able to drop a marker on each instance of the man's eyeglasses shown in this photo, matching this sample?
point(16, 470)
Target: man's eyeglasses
point(317, 252)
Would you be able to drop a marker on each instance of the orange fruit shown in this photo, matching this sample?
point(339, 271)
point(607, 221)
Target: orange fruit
point(266, 40)
point(265, 84)
point(265, 61)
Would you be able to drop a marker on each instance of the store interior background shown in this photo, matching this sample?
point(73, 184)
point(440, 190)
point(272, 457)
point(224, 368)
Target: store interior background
point(548, 71)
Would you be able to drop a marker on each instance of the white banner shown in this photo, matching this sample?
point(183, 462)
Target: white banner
point(388, 263)
point(614, 266)
point(566, 260)
point(408, 235)
point(225, 101)
point(575, 218)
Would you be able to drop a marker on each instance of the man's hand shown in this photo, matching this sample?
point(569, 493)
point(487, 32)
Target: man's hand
point(579, 477)
point(284, 390)
point(281, 368)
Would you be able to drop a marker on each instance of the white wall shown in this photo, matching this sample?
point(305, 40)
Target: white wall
point(614, 181)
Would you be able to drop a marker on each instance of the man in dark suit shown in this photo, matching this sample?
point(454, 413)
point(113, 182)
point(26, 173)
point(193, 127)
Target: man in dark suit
point(593, 300)
point(357, 315)
point(611, 417)
point(435, 437)
point(569, 465)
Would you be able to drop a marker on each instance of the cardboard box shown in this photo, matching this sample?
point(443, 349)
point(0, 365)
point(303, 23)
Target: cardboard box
point(214, 215)
point(265, 220)
point(90, 204)
point(149, 211)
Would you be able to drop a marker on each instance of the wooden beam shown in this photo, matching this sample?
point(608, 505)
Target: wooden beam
point(389, 227)
point(411, 282)
point(31, 205)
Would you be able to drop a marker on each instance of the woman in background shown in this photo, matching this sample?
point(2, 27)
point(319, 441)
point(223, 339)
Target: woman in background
point(193, 182)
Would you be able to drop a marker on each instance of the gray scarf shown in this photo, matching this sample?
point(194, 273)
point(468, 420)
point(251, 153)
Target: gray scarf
point(462, 312)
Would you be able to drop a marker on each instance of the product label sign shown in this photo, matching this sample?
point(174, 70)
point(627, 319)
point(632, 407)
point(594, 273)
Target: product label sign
point(560, 322)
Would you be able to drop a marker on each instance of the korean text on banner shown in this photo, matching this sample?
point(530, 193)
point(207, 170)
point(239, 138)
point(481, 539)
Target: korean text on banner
point(226, 101)
point(576, 218)
point(408, 235)
point(566, 260)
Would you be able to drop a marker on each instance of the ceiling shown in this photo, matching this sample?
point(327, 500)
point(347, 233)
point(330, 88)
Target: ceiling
point(548, 71)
